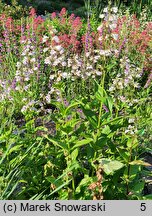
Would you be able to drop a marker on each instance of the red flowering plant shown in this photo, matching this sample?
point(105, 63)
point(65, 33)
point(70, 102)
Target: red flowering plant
point(138, 41)
point(36, 21)
point(15, 33)
point(126, 34)
point(126, 43)
point(19, 29)
point(7, 27)
point(68, 29)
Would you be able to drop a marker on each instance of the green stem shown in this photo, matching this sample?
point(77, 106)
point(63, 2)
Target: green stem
point(128, 169)
point(100, 113)
point(101, 103)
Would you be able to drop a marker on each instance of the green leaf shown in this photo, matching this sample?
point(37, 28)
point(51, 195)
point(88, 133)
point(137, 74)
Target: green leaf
point(109, 166)
point(110, 104)
point(139, 162)
point(132, 143)
point(41, 128)
point(52, 180)
point(111, 65)
point(141, 132)
point(74, 154)
point(22, 181)
point(71, 106)
point(106, 130)
point(99, 91)
point(134, 170)
point(70, 125)
point(57, 143)
point(66, 129)
point(5, 136)
point(60, 187)
point(138, 188)
point(74, 165)
point(15, 149)
point(105, 116)
point(101, 141)
point(123, 154)
point(147, 197)
point(115, 120)
point(84, 183)
point(91, 116)
point(82, 142)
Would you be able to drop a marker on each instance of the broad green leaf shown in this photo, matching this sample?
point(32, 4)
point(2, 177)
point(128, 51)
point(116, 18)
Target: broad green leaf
point(133, 172)
point(75, 165)
point(138, 187)
point(123, 154)
point(101, 142)
point(100, 93)
point(110, 66)
point(82, 142)
point(66, 129)
point(106, 130)
point(105, 116)
point(110, 166)
point(50, 179)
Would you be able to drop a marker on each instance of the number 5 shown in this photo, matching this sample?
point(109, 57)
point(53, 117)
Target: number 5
point(143, 207)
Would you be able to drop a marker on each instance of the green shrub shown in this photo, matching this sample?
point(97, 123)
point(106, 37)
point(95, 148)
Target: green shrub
point(43, 7)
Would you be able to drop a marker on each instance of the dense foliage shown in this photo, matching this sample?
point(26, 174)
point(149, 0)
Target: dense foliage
point(75, 105)
point(77, 7)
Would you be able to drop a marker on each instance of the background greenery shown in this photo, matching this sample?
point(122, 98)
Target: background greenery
point(78, 6)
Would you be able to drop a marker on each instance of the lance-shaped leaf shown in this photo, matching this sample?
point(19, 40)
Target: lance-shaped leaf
point(56, 142)
point(82, 143)
point(139, 162)
point(91, 116)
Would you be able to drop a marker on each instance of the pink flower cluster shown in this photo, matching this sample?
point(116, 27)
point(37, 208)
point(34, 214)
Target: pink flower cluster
point(69, 30)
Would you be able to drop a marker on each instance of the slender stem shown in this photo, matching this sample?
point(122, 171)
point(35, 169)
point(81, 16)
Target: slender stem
point(101, 103)
point(128, 171)
point(100, 113)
